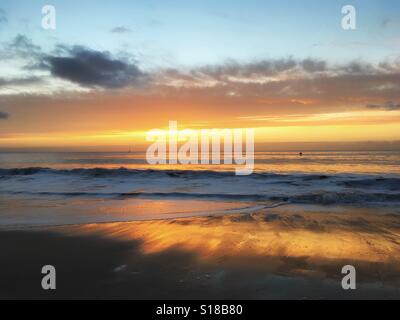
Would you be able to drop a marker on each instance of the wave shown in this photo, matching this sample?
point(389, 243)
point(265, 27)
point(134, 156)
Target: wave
point(323, 198)
point(389, 183)
point(124, 172)
point(313, 198)
point(123, 183)
point(327, 198)
point(23, 171)
point(346, 180)
point(103, 172)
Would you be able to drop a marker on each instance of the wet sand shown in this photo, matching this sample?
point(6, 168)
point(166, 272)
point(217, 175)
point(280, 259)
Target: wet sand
point(290, 252)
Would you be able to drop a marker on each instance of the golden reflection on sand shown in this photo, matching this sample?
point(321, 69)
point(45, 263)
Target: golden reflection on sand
point(281, 232)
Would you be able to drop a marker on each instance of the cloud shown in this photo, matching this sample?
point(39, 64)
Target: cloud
point(286, 85)
point(92, 68)
point(235, 69)
point(3, 16)
point(272, 70)
point(79, 65)
point(356, 67)
point(309, 75)
point(267, 83)
point(19, 81)
point(121, 29)
point(312, 65)
point(4, 115)
point(21, 47)
point(390, 21)
point(389, 105)
point(234, 73)
point(24, 47)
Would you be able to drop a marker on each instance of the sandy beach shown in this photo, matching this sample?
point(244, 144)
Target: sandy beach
point(290, 252)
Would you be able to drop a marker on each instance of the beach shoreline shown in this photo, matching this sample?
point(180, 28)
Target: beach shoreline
point(289, 252)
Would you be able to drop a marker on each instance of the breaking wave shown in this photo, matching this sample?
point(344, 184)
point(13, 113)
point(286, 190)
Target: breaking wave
point(125, 183)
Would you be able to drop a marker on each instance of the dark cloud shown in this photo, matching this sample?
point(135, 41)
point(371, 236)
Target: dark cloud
point(93, 68)
point(4, 115)
point(389, 105)
point(121, 29)
point(86, 67)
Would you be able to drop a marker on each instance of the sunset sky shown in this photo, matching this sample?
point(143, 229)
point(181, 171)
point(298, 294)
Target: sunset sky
point(112, 70)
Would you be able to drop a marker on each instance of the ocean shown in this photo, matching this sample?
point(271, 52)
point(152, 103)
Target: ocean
point(73, 188)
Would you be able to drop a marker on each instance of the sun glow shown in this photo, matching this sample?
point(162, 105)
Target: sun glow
point(370, 125)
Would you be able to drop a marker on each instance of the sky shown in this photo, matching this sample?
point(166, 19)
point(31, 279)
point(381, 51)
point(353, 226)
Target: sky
point(113, 70)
